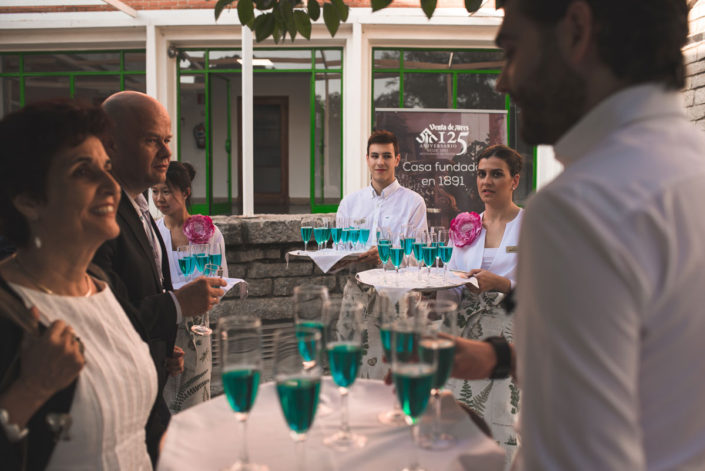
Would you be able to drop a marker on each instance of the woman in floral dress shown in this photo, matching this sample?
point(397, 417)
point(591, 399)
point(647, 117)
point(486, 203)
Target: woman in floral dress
point(172, 198)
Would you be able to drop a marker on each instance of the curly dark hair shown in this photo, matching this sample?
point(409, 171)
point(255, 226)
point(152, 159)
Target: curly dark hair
point(640, 40)
point(382, 136)
point(31, 137)
point(512, 158)
point(179, 175)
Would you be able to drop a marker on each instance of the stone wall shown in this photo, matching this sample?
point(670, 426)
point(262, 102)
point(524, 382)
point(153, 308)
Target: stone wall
point(256, 248)
point(694, 52)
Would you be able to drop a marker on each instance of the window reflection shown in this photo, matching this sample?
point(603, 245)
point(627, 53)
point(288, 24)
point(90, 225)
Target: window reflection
point(428, 91)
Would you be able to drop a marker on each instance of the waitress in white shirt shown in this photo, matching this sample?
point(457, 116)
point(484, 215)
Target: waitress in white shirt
point(492, 259)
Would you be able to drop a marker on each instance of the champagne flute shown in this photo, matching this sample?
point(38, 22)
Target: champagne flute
point(397, 252)
point(306, 231)
point(215, 257)
point(413, 378)
point(344, 345)
point(336, 233)
point(441, 324)
point(364, 233)
point(420, 240)
point(354, 234)
point(200, 254)
point(446, 252)
point(409, 240)
point(321, 234)
point(384, 250)
point(202, 327)
point(441, 241)
point(186, 261)
point(400, 318)
point(241, 349)
point(297, 372)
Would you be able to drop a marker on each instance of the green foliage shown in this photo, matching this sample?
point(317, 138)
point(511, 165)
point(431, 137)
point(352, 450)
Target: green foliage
point(478, 402)
point(466, 393)
point(290, 17)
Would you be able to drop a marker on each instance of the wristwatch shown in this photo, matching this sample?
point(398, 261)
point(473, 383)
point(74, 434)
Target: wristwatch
point(503, 352)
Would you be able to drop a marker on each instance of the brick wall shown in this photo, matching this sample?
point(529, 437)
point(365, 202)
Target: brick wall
point(256, 249)
point(189, 4)
point(694, 93)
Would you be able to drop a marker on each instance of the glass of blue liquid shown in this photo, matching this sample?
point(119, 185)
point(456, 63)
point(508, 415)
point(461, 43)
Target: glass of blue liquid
point(297, 373)
point(441, 321)
point(364, 234)
point(428, 254)
point(421, 239)
point(321, 234)
point(397, 252)
point(200, 254)
point(413, 379)
point(344, 328)
point(446, 253)
point(215, 254)
point(306, 232)
point(187, 263)
point(396, 317)
point(201, 326)
point(384, 250)
point(240, 339)
point(336, 234)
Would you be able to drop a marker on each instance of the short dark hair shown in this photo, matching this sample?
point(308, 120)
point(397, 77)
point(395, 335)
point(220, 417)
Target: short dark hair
point(31, 137)
point(180, 175)
point(639, 40)
point(382, 136)
point(512, 158)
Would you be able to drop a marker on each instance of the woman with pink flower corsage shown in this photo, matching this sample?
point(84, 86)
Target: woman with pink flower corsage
point(178, 228)
point(486, 248)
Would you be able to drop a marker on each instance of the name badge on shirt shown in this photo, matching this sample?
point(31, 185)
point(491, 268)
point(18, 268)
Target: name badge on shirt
point(512, 249)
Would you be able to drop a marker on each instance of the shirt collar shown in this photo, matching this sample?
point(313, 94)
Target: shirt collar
point(387, 192)
point(624, 107)
point(140, 203)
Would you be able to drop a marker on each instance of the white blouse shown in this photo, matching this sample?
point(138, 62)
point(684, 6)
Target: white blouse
point(116, 388)
point(178, 278)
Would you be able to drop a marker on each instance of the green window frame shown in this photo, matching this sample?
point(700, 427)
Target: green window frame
point(455, 73)
point(210, 207)
point(22, 75)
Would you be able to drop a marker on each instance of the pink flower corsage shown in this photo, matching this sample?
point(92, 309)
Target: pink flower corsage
point(465, 228)
point(198, 229)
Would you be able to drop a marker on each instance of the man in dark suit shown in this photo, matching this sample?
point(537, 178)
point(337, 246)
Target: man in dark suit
point(137, 260)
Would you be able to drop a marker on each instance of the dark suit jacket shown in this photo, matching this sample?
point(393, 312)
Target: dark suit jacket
point(129, 264)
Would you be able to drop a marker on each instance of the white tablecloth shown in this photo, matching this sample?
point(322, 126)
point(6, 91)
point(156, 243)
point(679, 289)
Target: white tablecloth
point(395, 285)
point(207, 436)
point(324, 259)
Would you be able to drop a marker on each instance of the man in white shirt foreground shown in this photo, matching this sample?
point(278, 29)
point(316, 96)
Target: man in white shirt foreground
point(385, 203)
point(611, 276)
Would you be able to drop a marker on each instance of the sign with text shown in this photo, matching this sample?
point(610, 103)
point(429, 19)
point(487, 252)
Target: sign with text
point(438, 150)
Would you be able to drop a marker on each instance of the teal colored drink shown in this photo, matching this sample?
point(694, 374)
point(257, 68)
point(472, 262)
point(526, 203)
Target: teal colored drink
point(413, 385)
point(385, 334)
point(299, 400)
point(445, 251)
point(307, 349)
point(397, 255)
point(406, 343)
point(416, 247)
point(346, 236)
point(364, 236)
point(446, 350)
point(384, 242)
point(409, 245)
point(326, 234)
point(385, 251)
point(201, 260)
point(344, 360)
point(215, 259)
point(428, 254)
point(241, 388)
point(354, 235)
point(306, 232)
point(319, 233)
point(336, 232)
point(186, 265)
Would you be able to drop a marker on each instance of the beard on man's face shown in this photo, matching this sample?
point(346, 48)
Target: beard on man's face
point(552, 99)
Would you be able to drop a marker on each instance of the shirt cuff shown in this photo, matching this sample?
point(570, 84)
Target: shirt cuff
point(179, 316)
point(512, 284)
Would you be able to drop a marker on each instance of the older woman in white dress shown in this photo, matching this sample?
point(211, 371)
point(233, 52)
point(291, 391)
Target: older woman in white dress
point(491, 259)
point(77, 380)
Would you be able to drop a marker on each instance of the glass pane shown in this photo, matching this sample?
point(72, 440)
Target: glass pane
point(222, 87)
point(283, 59)
point(428, 91)
point(224, 59)
point(135, 61)
point(192, 131)
point(68, 62)
point(192, 60)
point(328, 138)
point(386, 90)
point(95, 88)
point(329, 59)
point(10, 95)
point(267, 143)
point(386, 58)
point(10, 63)
point(477, 60)
point(45, 88)
point(137, 83)
point(477, 92)
point(427, 59)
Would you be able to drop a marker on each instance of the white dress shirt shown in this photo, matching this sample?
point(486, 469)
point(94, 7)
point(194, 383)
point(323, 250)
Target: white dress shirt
point(394, 206)
point(610, 328)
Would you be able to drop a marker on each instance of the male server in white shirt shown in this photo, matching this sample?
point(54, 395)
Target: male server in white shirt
point(610, 324)
point(385, 203)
